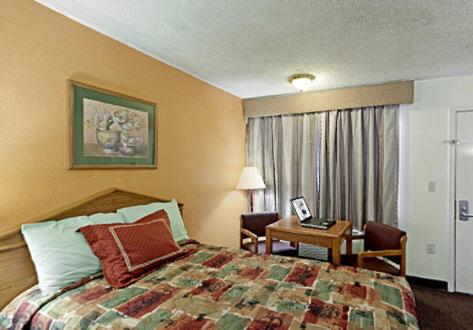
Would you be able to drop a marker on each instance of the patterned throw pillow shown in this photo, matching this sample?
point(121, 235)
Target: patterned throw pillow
point(127, 251)
point(178, 229)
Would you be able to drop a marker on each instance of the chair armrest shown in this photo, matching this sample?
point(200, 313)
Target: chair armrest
point(354, 237)
point(251, 235)
point(350, 238)
point(374, 254)
point(248, 234)
point(383, 253)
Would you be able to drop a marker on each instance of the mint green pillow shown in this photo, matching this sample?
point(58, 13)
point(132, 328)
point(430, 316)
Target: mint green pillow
point(60, 254)
point(104, 218)
point(133, 213)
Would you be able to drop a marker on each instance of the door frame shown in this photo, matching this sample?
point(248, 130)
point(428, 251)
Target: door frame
point(451, 223)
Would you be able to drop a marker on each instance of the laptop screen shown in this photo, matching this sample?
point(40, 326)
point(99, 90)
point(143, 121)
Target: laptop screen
point(301, 209)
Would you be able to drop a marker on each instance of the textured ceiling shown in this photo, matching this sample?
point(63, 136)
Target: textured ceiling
point(250, 47)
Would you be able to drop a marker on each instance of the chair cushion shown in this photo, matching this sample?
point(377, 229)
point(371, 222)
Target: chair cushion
point(382, 237)
point(280, 248)
point(257, 222)
point(369, 263)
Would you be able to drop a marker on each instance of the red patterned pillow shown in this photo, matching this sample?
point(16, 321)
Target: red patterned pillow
point(127, 251)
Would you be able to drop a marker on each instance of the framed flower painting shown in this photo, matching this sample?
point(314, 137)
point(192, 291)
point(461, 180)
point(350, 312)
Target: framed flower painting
point(111, 130)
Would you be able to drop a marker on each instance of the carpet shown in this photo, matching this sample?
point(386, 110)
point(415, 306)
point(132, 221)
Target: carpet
point(439, 309)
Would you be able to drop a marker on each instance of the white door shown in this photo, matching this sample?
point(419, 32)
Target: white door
point(464, 201)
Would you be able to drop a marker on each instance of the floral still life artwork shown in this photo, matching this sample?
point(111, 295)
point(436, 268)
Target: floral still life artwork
point(111, 130)
point(114, 131)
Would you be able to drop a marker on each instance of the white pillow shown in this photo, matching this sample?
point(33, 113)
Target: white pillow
point(133, 213)
point(60, 254)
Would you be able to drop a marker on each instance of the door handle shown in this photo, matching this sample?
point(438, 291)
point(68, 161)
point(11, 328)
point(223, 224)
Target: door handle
point(463, 208)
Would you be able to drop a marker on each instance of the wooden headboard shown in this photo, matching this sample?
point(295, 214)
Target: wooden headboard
point(17, 272)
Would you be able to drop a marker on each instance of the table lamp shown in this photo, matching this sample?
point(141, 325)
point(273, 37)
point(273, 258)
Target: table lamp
point(250, 179)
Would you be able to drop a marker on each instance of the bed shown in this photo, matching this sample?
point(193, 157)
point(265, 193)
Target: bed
point(211, 288)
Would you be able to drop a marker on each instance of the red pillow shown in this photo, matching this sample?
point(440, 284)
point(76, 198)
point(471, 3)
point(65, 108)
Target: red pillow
point(127, 251)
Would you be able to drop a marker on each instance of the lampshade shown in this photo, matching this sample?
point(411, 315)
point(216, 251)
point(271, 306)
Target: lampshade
point(250, 179)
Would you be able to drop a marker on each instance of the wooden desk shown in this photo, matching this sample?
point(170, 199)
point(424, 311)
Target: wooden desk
point(290, 229)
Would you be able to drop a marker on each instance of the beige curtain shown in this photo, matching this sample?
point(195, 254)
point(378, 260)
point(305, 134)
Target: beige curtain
point(345, 163)
point(284, 148)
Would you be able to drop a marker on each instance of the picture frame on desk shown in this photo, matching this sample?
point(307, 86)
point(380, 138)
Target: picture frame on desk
point(300, 207)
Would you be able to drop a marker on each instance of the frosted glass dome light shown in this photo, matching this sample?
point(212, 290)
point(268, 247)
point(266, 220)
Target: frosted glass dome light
point(301, 81)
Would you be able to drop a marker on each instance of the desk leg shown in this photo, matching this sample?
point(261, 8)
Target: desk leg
point(349, 242)
point(269, 242)
point(336, 252)
point(349, 246)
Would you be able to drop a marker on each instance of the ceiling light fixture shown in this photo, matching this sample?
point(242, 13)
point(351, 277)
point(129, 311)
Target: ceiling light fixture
point(301, 81)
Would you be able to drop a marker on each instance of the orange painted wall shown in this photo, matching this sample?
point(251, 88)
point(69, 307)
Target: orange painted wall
point(201, 130)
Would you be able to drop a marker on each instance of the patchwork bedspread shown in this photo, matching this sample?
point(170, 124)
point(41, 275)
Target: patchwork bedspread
point(221, 288)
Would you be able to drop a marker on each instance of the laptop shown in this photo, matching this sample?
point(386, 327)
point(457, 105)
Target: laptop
point(305, 218)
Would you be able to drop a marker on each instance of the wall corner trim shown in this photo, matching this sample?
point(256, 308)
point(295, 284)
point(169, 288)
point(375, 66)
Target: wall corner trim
point(401, 92)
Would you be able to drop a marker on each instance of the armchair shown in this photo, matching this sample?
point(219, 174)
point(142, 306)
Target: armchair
point(253, 225)
point(379, 241)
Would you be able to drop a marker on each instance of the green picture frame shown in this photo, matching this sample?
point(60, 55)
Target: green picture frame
point(110, 130)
